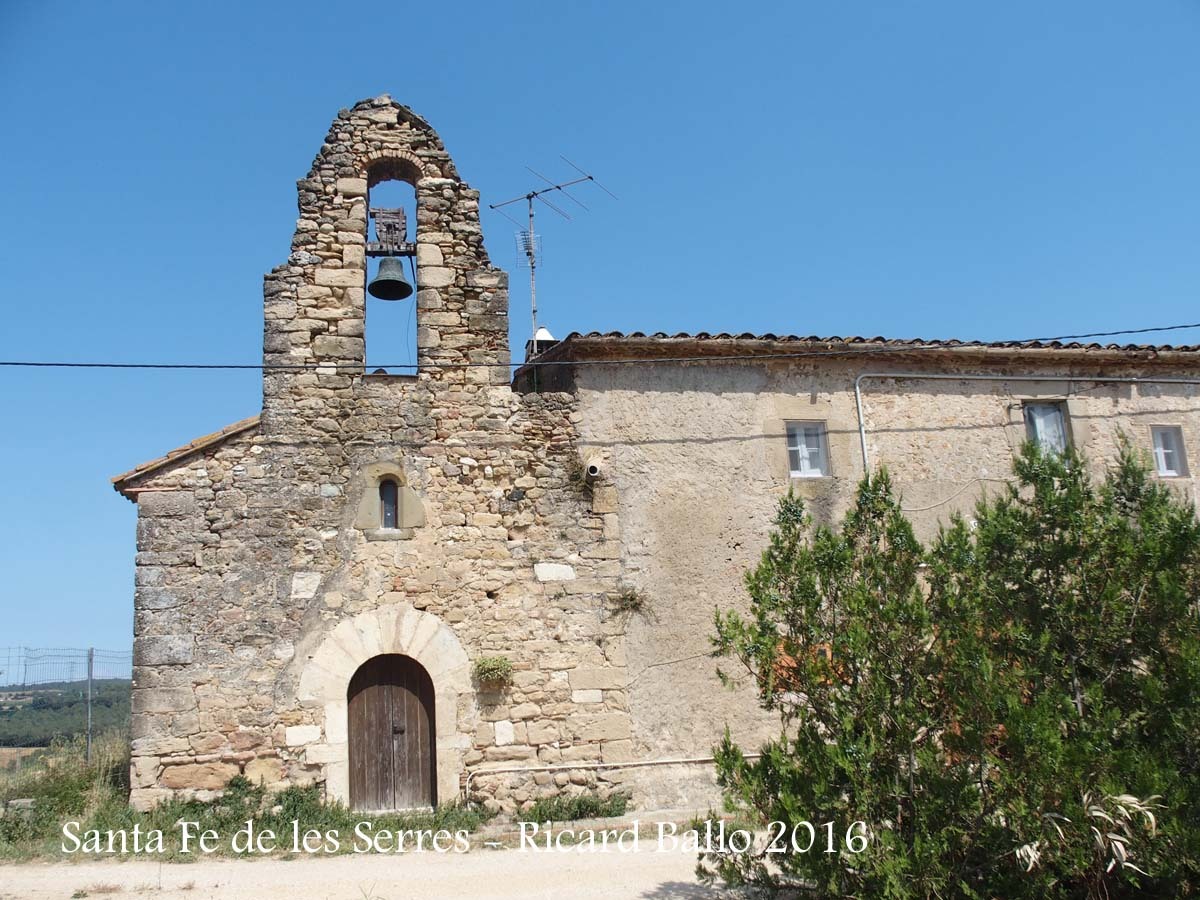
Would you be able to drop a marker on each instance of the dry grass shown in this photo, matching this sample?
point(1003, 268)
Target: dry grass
point(98, 889)
point(10, 755)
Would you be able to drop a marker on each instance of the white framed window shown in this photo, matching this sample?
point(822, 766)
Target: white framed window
point(1169, 457)
point(808, 451)
point(1046, 425)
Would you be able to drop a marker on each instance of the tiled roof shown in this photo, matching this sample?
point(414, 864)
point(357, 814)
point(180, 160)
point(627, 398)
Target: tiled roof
point(121, 482)
point(878, 341)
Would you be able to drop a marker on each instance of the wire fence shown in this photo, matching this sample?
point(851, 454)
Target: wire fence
point(22, 667)
point(49, 694)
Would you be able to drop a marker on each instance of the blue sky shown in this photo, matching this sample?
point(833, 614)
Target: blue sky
point(940, 169)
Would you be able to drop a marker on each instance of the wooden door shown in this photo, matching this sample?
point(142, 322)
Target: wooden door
point(391, 732)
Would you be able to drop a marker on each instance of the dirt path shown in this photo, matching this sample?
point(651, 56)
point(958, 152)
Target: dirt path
point(481, 873)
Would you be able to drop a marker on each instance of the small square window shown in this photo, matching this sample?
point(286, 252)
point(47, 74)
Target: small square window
point(1169, 458)
point(808, 455)
point(1046, 426)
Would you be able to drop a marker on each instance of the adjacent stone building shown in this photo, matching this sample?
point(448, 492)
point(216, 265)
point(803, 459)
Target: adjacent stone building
point(315, 584)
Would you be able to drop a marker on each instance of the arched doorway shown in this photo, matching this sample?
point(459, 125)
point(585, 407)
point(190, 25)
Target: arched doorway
point(391, 735)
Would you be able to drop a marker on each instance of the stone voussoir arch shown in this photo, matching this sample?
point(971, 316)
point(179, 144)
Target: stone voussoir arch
point(400, 629)
point(397, 164)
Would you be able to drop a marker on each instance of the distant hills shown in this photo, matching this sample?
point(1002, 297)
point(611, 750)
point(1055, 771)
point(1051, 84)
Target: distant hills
point(34, 716)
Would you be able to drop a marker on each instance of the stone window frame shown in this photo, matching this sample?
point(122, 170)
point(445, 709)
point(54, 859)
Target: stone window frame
point(368, 518)
point(389, 502)
point(841, 440)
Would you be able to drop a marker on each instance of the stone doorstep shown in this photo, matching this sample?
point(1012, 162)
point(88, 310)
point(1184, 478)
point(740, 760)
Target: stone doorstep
point(508, 834)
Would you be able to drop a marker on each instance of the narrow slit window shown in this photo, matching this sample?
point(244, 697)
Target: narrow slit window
point(389, 502)
point(1046, 426)
point(1169, 457)
point(808, 454)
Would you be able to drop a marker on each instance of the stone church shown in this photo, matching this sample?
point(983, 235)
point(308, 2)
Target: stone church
point(315, 585)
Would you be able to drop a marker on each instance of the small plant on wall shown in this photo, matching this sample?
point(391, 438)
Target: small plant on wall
point(629, 600)
point(494, 672)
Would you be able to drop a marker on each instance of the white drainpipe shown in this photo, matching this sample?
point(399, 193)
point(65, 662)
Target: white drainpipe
point(862, 424)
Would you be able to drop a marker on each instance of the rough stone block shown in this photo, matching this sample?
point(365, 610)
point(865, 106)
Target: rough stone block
point(429, 254)
point(617, 751)
point(335, 723)
point(145, 799)
point(607, 727)
point(435, 276)
point(604, 499)
point(598, 679)
point(144, 771)
point(166, 503)
point(163, 700)
point(264, 771)
point(319, 754)
point(338, 347)
point(198, 777)
point(163, 650)
point(207, 741)
point(246, 739)
point(351, 187)
point(543, 732)
point(305, 585)
point(343, 278)
point(587, 696)
point(299, 735)
point(545, 571)
point(504, 732)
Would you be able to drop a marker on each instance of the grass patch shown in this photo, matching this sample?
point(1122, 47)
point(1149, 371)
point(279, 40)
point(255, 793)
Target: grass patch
point(582, 806)
point(64, 788)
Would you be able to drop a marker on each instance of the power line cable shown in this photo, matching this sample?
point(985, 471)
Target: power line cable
point(914, 345)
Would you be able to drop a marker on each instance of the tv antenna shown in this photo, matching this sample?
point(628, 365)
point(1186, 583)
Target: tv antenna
point(529, 242)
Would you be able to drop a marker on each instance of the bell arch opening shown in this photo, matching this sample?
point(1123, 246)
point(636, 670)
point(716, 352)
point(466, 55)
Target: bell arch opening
point(391, 731)
point(390, 314)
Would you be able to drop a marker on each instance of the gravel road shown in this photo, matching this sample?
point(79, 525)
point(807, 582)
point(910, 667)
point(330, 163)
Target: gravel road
point(482, 873)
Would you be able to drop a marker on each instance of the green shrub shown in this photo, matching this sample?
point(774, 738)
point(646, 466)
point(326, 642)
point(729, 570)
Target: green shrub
point(1013, 713)
point(581, 806)
point(494, 670)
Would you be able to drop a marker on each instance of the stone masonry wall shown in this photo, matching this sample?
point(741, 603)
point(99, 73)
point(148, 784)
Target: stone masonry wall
point(697, 455)
point(258, 591)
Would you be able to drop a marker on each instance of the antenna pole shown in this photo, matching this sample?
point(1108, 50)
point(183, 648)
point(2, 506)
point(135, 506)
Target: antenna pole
point(528, 240)
point(529, 252)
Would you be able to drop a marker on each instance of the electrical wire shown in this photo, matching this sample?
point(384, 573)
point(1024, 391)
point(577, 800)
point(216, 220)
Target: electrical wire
point(803, 354)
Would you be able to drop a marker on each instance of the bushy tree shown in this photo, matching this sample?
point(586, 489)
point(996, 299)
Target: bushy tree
point(1011, 712)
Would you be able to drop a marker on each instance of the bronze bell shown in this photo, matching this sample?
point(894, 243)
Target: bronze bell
point(389, 282)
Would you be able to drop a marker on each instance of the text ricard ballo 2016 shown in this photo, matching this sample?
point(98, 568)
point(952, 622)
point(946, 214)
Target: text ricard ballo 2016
point(712, 836)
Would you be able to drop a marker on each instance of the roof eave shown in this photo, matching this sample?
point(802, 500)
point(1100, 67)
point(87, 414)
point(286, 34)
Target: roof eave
point(124, 483)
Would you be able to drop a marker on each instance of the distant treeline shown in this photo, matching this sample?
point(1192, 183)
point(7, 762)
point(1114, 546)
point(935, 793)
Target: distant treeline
point(34, 716)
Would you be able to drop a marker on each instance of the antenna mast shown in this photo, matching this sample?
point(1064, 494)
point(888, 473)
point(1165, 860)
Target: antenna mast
point(529, 242)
